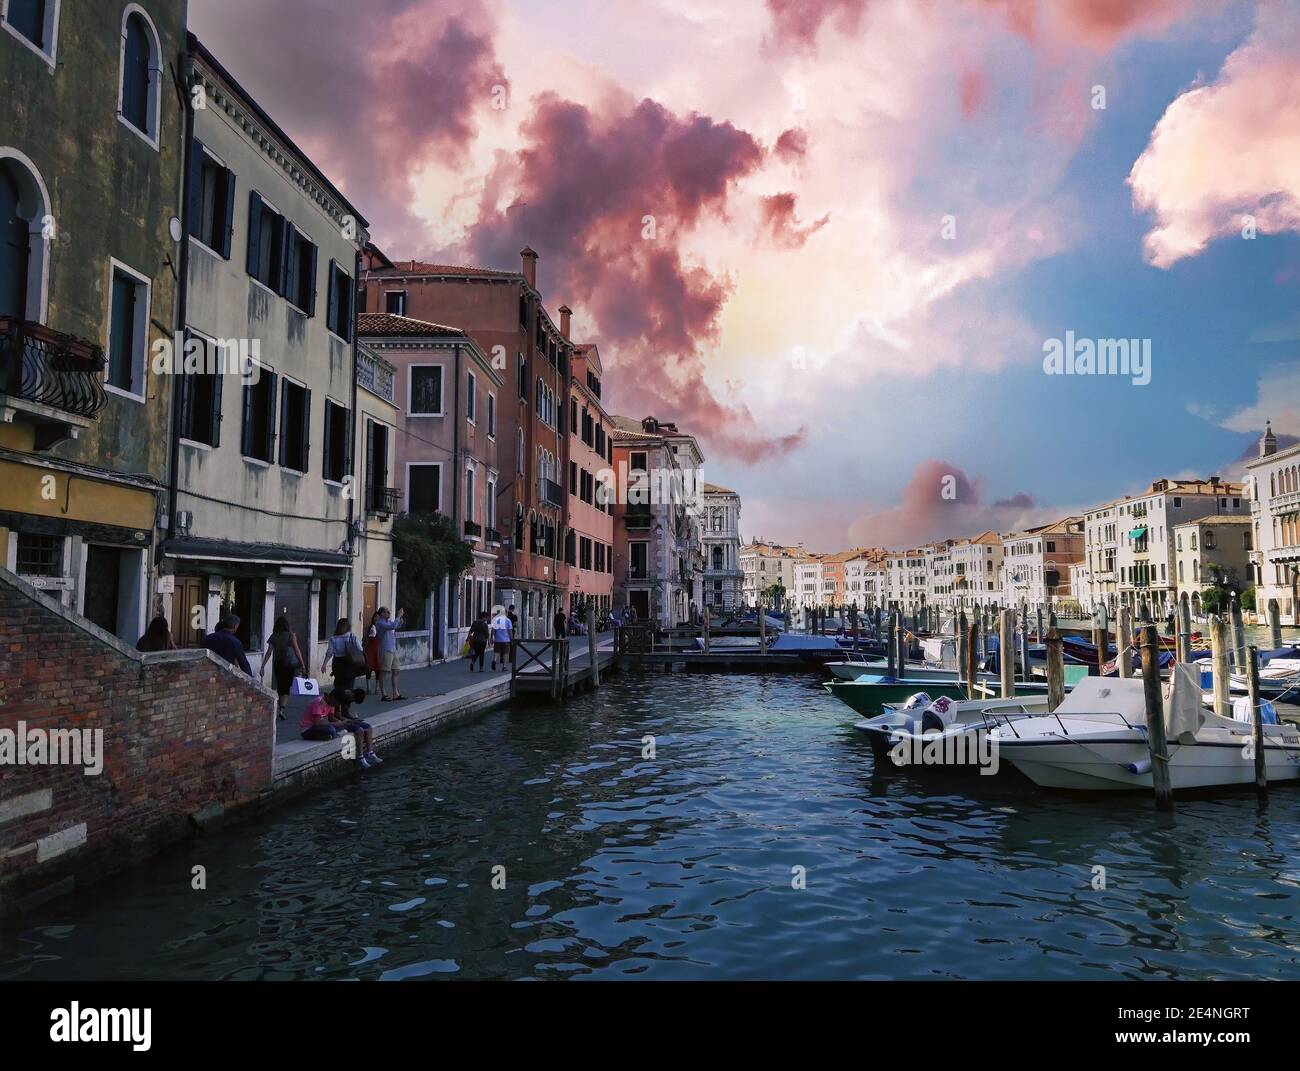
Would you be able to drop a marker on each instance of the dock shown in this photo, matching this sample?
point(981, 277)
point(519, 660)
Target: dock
point(560, 667)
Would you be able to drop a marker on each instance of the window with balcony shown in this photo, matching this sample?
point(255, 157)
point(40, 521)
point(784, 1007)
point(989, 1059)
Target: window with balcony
point(381, 499)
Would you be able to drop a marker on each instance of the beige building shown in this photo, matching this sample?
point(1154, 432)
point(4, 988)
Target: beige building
point(1036, 563)
point(1275, 515)
point(1211, 552)
point(764, 564)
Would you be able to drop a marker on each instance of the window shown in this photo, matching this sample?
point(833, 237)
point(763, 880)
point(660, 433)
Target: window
point(295, 426)
point(35, 23)
point(492, 416)
point(638, 462)
point(639, 556)
point(1208, 541)
point(128, 332)
point(470, 395)
point(39, 555)
point(212, 200)
point(266, 245)
point(336, 442)
point(573, 477)
point(327, 610)
point(377, 497)
point(519, 451)
point(523, 379)
point(339, 319)
point(425, 394)
point(141, 71)
point(469, 494)
point(491, 518)
point(201, 401)
point(423, 487)
point(395, 302)
point(258, 439)
point(300, 270)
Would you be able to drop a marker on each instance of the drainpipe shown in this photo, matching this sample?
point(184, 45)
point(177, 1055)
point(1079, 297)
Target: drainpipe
point(183, 289)
point(457, 522)
point(354, 422)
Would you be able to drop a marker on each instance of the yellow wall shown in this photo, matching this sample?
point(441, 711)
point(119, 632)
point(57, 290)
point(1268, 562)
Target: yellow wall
point(19, 437)
point(72, 497)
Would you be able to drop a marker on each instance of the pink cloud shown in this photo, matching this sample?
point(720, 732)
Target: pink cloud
point(796, 22)
point(792, 145)
point(940, 501)
point(971, 91)
point(782, 223)
point(1229, 150)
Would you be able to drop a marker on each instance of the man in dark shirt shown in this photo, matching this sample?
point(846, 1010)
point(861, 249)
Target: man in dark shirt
point(561, 625)
point(225, 644)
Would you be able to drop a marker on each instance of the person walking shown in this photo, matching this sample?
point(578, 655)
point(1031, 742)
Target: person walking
point(225, 644)
point(561, 625)
point(286, 660)
point(374, 659)
point(157, 637)
point(478, 641)
point(502, 628)
point(344, 656)
point(386, 626)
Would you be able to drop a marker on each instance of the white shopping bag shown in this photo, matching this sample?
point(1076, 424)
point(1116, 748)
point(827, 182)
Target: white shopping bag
point(305, 686)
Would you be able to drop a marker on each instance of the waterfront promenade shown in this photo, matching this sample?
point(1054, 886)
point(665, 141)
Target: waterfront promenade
point(435, 696)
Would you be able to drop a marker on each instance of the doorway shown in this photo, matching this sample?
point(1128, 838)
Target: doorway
point(103, 586)
point(14, 235)
point(189, 609)
point(640, 602)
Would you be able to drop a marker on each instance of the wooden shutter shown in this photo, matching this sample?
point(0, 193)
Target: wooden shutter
point(215, 427)
point(254, 232)
point(272, 401)
point(332, 301)
point(229, 232)
point(327, 462)
point(310, 310)
point(288, 274)
point(306, 429)
point(195, 206)
point(246, 435)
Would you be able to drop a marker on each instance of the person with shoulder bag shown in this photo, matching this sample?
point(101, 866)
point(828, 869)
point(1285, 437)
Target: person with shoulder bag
point(286, 661)
point(345, 656)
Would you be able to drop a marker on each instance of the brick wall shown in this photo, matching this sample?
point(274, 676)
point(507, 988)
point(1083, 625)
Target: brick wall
point(184, 734)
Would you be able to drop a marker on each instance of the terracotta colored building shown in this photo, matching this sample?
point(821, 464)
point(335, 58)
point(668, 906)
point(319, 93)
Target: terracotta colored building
point(502, 311)
point(589, 543)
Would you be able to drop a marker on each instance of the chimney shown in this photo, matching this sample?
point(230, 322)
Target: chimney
point(530, 265)
point(566, 316)
point(1268, 444)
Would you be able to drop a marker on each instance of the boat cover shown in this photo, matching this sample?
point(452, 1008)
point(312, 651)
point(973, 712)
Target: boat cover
point(1185, 710)
point(1107, 695)
point(793, 644)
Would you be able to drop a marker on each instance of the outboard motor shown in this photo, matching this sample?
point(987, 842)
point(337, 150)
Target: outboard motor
point(919, 701)
point(932, 720)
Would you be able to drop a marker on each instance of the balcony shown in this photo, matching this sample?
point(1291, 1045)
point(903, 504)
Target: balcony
point(492, 537)
point(473, 531)
point(382, 501)
point(49, 380)
point(374, 374)
point(550, 492)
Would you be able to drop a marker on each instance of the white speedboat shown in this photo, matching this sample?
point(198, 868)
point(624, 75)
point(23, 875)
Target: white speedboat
point(944, 732)
point(1097, 739)
point(851, 671)
point(1279, 679)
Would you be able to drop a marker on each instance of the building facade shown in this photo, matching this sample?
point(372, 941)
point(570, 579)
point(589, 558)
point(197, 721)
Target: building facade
point(589, 540)
point(1212, 552)
point(976, 572)
point(723, 576)
point(1275, 517)
point(1036, 563)
point(445, 458)
point(503, 312)
point(266, 520)
point(91, 162)
point(767, 565)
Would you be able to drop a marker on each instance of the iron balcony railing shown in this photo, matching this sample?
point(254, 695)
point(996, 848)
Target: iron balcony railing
point(43, 366)
point(550, 492)
point(473, 530)
point(492, 536)
point(382, 501)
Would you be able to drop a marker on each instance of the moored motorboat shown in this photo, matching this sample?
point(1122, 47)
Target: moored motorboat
point(944, 732)
point(1097, 740)
point(871, 692)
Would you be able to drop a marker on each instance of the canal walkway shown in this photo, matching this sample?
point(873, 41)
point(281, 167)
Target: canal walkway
point(435, 696)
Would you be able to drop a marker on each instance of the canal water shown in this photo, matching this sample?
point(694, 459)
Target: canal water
point(760, 841)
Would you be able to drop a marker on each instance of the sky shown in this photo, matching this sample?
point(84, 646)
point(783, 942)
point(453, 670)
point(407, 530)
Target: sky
point(835, 239)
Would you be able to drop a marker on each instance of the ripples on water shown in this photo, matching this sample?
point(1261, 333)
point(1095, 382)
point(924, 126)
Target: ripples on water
point(682, 867)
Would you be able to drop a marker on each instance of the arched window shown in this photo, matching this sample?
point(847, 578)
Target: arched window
point(26, 227)
point(141, 70)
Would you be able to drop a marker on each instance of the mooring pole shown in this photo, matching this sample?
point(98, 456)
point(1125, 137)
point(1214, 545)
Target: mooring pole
point(891, 648)
point(1007, 649)
point(1238, 636)
point(1274, 624)
point(1055, 669)
point(1219, 660)
point(1124, 642)
point(1256, 720)
point(962, 640)
point(1155, 710)
point(972, 666)
point(1184, 628)
point(591, 645)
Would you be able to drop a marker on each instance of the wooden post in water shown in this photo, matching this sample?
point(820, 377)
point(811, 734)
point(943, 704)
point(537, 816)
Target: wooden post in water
point(762, 626)
point(591, 645)
point(1274, 624)
point(706, 627)
point(1219, 660)
point(853, 619)
point(1295, 595)
point(1256, 720)
point(1024, 651)
point(1038, 635)
point(1124, 642)
point(1055, 669)
point(1155, 708)
point(1099, 641)
point(972, 666)
point(962, 640)
point(1007, 650)
point(891, 648)
point(1184, 627)
point(1238, 636)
